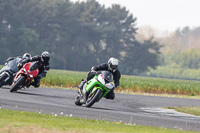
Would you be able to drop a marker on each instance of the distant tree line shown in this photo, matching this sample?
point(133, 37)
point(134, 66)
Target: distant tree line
point(183, 64)
point(181, 39)
point(180, 56)
point(78, 35)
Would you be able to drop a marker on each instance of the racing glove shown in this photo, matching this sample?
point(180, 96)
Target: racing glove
point(39, 76)
point(19, 65)
point(94, 72)
point(113, 88)
point(42, 75)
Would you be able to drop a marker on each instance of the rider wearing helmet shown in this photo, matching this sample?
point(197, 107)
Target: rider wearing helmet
point(11, 68)
point(111, 66)
point(25, 56)
point(44, 66)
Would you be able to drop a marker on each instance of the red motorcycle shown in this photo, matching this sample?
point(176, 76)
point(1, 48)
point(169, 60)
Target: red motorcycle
point(25, 75)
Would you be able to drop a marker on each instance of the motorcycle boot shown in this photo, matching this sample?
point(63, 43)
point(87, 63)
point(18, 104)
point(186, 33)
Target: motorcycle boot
point(84, 95)
point(36, 82)
point(84, 98)
point(29, 84)
point(82, 84)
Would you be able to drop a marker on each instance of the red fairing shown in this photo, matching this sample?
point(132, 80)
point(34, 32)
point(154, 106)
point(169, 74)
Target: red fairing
point(25, 70)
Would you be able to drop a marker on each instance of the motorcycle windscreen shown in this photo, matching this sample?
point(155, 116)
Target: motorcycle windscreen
point(108, 76)
point(12, 65)
point(34, 66)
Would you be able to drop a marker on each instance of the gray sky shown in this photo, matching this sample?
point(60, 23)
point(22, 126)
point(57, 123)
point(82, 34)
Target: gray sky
point(163, 15)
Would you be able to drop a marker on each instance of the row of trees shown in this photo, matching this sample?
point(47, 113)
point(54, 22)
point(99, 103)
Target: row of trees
point(182, 39)
point(183, 64)
point(78, 35)
point(182, 49)
point(186, 59)
point(180, 56)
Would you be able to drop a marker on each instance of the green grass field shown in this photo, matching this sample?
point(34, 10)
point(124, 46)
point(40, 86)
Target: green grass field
point(28, 122)
point(63, 78)
point(131, 84)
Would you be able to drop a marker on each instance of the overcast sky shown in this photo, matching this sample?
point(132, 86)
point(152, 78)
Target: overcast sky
point(164, 15)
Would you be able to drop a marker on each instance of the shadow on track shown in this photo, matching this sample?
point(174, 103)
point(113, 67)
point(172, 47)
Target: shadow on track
point(99, 108)
point(5, 88)
point(35, 94)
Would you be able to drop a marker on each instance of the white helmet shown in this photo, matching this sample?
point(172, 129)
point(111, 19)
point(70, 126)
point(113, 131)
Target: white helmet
point(113, 64)
point(26, 56)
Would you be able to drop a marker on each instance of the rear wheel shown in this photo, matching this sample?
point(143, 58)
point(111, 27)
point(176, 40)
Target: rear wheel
point(3, 76)
point(18, 83)
point(93, 97)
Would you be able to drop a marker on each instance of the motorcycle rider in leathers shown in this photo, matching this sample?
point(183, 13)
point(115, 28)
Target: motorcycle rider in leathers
point(111, 66)
point(12, 68)
point(25, 56)
point(44, 66)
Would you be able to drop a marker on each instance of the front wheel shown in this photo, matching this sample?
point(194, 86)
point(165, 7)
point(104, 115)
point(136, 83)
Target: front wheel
point(77, 100)
point(18, 83)
point(2, 78)
point(93, 97)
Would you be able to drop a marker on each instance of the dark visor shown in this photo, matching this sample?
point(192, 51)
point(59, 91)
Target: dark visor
point(113, 66)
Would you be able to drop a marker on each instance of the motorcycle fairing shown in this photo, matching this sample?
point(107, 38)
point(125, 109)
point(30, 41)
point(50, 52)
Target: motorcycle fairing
point(25, 70)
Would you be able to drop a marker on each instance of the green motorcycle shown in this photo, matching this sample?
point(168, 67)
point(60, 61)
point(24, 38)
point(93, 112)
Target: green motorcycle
point(96, 88)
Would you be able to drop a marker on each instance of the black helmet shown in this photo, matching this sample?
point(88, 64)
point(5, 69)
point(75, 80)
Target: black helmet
point(26, 56)
point(45, 56)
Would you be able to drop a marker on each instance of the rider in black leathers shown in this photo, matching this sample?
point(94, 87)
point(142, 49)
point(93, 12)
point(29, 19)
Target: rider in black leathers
point(44, 66)
point(111, 66)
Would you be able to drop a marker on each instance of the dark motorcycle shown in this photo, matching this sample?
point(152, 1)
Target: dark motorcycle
point(7, 73)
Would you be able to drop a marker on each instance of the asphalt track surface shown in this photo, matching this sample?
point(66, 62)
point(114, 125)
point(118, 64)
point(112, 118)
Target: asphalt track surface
point(133, 109)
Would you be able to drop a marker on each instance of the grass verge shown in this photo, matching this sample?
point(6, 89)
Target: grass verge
point(188, 110)
point(131, 84)
point(29, 122)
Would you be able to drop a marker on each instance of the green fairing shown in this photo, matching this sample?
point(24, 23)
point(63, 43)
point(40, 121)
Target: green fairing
point(93, 82)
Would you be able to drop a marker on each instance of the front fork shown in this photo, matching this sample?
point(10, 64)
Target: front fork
point(83, 94)
point(17, 80)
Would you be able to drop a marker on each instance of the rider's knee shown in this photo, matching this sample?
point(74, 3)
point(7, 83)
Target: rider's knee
point(36, 85)
point(110, 96)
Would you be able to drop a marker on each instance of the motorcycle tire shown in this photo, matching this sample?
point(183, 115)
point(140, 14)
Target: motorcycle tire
point(19, 82)
point(3, 77)
point(77, 101)
point(91, 100)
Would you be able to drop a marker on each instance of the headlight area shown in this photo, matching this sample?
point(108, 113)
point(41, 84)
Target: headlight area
point(24, 70)
point(31, 76)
